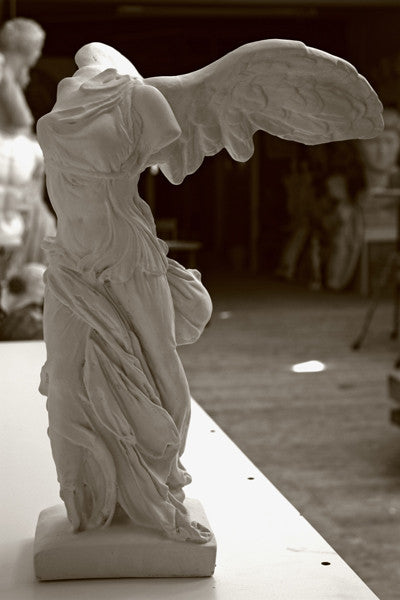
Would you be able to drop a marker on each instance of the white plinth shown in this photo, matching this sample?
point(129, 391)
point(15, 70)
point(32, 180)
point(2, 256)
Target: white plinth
point(121, 550)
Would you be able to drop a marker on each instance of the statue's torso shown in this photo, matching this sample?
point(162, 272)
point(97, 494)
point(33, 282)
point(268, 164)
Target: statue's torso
point(93, 163)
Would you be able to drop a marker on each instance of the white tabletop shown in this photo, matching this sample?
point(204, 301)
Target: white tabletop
point(266, 550)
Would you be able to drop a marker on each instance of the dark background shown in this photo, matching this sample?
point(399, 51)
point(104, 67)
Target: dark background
point(161, 37)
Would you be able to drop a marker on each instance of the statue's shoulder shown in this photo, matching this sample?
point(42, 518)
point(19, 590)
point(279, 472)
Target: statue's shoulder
point(108, 81)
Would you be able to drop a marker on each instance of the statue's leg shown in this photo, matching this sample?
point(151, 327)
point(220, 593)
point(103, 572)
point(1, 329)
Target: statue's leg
point(147, 302)
point(76, 447)
point(65, 336)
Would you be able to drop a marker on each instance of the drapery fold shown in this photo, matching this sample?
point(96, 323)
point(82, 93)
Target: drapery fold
point(128, 452)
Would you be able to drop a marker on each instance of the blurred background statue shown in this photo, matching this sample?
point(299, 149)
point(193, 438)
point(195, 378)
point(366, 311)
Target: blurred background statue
point(21, 43)
point(325, 229)
point(379, 203)
point(379, 158)
point(338, 201)
point(24, 217)
point(21, 310)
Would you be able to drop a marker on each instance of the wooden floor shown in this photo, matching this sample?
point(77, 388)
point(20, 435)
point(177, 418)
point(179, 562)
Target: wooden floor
point(324, 439)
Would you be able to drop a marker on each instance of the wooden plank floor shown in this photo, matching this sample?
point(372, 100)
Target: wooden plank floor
point(324, 439)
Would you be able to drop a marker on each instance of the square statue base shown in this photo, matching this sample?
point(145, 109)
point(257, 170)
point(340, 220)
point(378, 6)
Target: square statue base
point(121, 550)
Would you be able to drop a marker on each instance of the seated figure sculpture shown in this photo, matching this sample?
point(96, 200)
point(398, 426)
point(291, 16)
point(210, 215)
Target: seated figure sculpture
point(22, 207)
point(116, 307)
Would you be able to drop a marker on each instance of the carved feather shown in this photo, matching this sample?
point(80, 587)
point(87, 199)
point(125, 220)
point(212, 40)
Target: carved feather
point(279, 86)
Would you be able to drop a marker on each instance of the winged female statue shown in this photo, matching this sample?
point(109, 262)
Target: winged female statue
point(116, 306)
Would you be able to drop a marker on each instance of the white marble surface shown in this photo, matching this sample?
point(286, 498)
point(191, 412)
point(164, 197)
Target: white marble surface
point(266, 550)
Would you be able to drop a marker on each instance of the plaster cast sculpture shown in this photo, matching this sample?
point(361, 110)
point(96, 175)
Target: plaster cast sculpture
point(21, 43)
point(380, 155)
point(24, 218)
point(116, 307)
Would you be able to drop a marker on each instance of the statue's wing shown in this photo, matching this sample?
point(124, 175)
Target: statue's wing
point(279, 86)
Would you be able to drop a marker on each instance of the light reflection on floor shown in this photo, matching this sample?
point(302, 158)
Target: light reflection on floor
point(310, 366)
